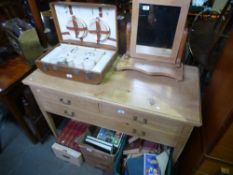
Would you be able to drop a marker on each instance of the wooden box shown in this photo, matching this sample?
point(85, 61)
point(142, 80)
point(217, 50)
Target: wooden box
point(88, 42)
point(110, 163)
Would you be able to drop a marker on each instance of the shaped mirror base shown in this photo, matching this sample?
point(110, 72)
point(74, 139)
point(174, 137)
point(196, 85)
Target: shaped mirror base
point(151, 68)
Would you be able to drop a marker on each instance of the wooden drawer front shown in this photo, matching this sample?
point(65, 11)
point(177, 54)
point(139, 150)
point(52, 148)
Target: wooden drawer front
point(118, 124)
point(143, 119)
point(212, 167)
point(66, 99)
point(88, 117)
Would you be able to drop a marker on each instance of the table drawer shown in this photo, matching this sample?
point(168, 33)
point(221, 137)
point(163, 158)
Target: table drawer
point(144, 119)
point(119, 124)
point(66, 99)
point(87, 117)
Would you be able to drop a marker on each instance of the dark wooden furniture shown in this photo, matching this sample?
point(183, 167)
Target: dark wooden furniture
point(210, 148)
point(12, 72)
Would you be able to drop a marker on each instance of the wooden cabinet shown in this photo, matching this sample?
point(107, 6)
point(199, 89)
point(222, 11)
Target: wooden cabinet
point(210, 148)
point(153, 108)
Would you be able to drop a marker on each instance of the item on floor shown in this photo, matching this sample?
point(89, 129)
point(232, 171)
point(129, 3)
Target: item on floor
point(163, 159)
point(133, 148)
point(23, 38)
point(73, 134)
point(67, 154)
point(151, 147)
point(88, 42)
point(132, 139)
point(110, 136)
point(151, 166)
point(99, 144)
point(134, 166)
point(104, 139)
point(158, 154)
point(105, 161)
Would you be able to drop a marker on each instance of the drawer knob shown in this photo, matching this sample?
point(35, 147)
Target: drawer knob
point(143, 133)
point(145, 121)
point(135, 118)
point(134, 131)
point(121, 112)
point(66, 102)
point(142, 121)
point(71, 114)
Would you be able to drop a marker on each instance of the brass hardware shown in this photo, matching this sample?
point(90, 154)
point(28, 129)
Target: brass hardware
point(135, 118)
point(66, 102)
point(143, 133)
point(145, 121)
point(142, 121)
point(71, 114)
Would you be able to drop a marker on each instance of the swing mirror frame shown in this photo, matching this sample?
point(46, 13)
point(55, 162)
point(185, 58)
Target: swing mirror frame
point(154, 53)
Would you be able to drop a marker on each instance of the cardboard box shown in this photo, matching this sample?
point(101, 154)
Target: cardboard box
point(97, 158)
point(67, 154)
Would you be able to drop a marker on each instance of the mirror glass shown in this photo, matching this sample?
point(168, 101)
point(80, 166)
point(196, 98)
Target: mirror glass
point(156, 28)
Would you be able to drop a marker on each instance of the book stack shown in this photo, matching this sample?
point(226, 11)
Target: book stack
point(139, 146)
point(145, 157)
point(105, 140)
point(73, 133)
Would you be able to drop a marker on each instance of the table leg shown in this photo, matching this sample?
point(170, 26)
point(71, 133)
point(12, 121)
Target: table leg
point(50, 121)
point(181, 142)
point(48, 117)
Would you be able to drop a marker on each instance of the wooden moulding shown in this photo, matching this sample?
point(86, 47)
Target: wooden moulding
point(153, 68)
point(74, 73)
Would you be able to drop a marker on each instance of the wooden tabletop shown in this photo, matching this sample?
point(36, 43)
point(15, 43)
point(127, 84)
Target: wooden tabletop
point(162, 96)
point(12, 71)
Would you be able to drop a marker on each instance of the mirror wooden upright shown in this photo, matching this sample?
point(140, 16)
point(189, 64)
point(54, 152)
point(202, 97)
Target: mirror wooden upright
point(157, 38)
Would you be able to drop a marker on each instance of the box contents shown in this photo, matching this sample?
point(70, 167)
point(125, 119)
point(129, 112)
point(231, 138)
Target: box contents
point(79, 57)
point(67, 154)
point(88, 42)
point(151, 166)
point(72, 134)
point(145, 157)
point(103, 148)
point(106, 140)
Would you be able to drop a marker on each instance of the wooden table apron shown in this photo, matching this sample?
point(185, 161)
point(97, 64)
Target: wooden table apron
point(154, 108)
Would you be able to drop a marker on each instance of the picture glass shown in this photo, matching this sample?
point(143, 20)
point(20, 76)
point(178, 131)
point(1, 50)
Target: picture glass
point(156, 28)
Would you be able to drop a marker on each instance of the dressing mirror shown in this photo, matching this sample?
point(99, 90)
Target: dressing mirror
point(157, 29)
